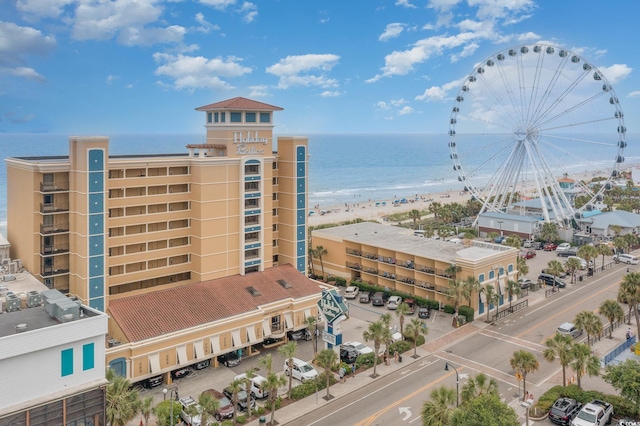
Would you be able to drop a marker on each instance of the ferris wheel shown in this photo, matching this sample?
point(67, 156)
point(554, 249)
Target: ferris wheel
point(531, 126)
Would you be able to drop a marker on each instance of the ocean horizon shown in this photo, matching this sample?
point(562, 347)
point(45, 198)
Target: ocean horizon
point(343, 168)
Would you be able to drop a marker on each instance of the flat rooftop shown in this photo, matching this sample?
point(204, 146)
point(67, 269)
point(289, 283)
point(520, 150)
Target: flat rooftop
point(402, 240)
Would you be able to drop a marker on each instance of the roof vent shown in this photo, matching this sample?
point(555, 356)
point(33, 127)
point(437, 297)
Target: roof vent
point(284, 284)
point(253, 291)
point(21, 328)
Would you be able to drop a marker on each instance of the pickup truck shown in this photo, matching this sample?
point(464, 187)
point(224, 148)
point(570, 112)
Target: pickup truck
point(594, 413)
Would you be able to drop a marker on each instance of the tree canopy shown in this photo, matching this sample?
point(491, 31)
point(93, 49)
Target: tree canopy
point(486, 409)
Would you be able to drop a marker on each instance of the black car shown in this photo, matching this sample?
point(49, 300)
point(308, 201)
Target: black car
point(564, 410)
point(230, 359)
point(299, 335)
point(378, 299)
point(365, 297)
point(180, 373)
point(567, 253)
point(348, 354)
point(242, 398)
point(201, 365)
point(152, 382)
point(424, 312)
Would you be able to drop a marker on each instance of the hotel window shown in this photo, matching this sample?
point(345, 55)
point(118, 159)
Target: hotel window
point(275, 212)
point(250, 117)
point(251, 169)
point(275, 243)
point(251, 237)
point(275, 227)
point(66, 358)
point(275, 196)
point(275, 324)
point(274, 165)
point(251, 254)
point(251, 186)
point(209, 117)
point(223, 117)
point(274, 180)
point(88, 356)
point(481, 278)
point(252, 220)
point(265, 117)
point(236, 117)
point(251, 203)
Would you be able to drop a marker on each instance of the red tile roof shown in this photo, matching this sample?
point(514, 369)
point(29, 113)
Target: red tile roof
point(165, 311)
point(239, 104)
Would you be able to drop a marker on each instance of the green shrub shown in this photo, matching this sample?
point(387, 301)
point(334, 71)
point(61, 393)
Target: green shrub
point(409, 340)
point(310, 386)
point(621, 406)
point(227, 423)
point(241, 418)
point(341, 282)
point(401, 346)
point(260, 410)
point(467, 312)
point(449, 309)
point(365, 361)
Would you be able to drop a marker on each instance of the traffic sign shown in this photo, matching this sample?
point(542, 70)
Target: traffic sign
point(518, 376)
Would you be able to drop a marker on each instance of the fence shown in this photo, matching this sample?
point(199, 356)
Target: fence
point(606, 329)
point(514, 308)
point(618, 350)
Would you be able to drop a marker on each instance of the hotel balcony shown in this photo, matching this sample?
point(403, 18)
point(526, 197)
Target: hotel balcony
point(407, 264)
point(54, 186)
point(49, 271)
point(57, 228)
point(53, 208)
point(46, 250)
point(353, 252)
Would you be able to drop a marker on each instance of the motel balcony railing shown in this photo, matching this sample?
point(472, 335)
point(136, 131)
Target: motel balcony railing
point(353, 252)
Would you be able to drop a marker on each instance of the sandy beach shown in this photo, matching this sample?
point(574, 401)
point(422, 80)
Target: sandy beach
point(378, 209)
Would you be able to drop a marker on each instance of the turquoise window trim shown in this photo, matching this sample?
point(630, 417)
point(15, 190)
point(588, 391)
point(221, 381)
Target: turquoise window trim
point(492, 275)
point(250, 117)
point(510, 267)
point(96, 245)
point(88, 356)
point(265, 117)
point(97, 304)
point(223, 117)
point(481, 278)
point(235, 117)
point(66, 362)
point(252, 162)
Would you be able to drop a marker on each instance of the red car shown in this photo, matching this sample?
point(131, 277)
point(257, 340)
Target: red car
point(529, 254)
point(549, 247)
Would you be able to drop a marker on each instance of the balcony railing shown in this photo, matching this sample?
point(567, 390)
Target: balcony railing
point(54, 187)
point(53, 208)
point(354, 252)
point(48, 271)
point(54, 229)
point(54, 249)
point(425, 269)
point(352, 265)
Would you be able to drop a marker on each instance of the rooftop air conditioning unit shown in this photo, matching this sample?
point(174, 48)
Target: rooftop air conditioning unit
point(34, 298)
point(6, 261)
point(113, 342)
point(13, 302)
point(8, 277)
point(65, 307)
point(13, 268)
point(18, 264)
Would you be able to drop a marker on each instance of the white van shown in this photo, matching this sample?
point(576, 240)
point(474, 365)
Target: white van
point(258, 389)
point(629, 259)
point(302, 370)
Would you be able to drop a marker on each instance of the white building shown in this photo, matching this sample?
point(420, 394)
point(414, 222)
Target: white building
point(52, 357)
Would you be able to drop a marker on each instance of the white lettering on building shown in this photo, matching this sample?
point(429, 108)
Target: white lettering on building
point(242, 141)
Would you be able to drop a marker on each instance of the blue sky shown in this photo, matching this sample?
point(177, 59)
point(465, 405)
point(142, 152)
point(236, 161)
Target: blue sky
point(335, 66)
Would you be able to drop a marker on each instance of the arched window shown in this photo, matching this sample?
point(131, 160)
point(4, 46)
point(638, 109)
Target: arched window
point(481, 278)
point(492, 274)
point(510, 267)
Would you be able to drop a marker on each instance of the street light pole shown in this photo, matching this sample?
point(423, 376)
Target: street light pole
point(172, 396)
point(446, 368)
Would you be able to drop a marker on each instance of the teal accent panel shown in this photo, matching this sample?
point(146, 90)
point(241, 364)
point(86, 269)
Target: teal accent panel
point(119, 366)
point(251, 178)
point(252, 195)
point(301, 185)
point(96, 266)
point(96, 224)
point(301, 153)
point(96, 182)
point(96, 245)
point(97, 304)
point(301, 265)
point(96, 203)
point(251, 246)
point(301, 248)
point(251, 212)
point(301, 169)
point(252, 162)
point(66, 362)
point(301, 201)
point(96, 160)
point(300, 217)
point(88, 356)
point(96, 287)
point(252, 263)
point(252, 229)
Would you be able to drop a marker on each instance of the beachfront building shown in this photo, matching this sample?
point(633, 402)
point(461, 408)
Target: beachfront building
point(52, 358)
point(101, 226)
point(505, 224)
point(154, 333)
point(392, 257)
point(601, 224)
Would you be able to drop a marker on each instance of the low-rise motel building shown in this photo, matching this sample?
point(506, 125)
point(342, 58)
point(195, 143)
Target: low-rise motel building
point(128, 231)
point(394, 258)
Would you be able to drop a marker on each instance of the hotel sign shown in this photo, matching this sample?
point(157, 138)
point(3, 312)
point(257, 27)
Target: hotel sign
point(329, 306)
point(243, 143)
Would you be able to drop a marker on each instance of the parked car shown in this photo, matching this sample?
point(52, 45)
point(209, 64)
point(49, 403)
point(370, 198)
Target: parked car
point(180, 373)
point(499, 240)
point(188, 404)
point(527, 244)
point(568, 252)
point(564, 410)
point(583, 263)
point(258, 385)
point(244, 400)
point(230, 359)
point(360, 347)
point(549, 247)
point(594, 413)
point(412, 306)
point(563, 247)
point(424, 312)
point(548, 280)
point(394, 302)
point(302, 370)
point(536, 245)
point(629, 259)
point(351, 292)
point(365, 297)
point(396, 336)
point(201, 364)
point(377, 299)
point(529, 254)
point(348, 354)
point(303, 334)
point(152, 382)
point(569, 329)
point(225, 407)
point(525, 283)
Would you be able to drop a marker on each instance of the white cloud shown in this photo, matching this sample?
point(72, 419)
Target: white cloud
point(17, 44)
point(616, 72)
point(468, 50)
point(330, 94)
point(250, 10)
point(218, 4)
point(43, 8)
point(12, 117)
point(382, 105)
point(529, 36)
point(111, 78)
point(258, 91)
point(397, 102)
point(151, 36)
point(392, 31)
point(405, 3)
point(634, 94)
point(194, 72)
point(435, 93)
point(504, 9)
point(405, 110)
point(205, 26)
point(298, 70)
point(443, 5)
point(24, 72)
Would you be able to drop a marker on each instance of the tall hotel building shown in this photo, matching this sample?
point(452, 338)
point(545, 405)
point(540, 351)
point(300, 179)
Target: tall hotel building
point(103, 227)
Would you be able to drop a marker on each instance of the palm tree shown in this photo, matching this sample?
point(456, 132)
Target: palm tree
point(414, 329)
point(438, 410)
point(375, 333)
point(631, 240)
point(310, 255)
point(266, 362)
point(492, 297)
point(549, 232)
point(604, 250)
point(630, 287)
point(457, 293)
point(471, 287)
point(620, 244)
point(209, 406)
point(146, 408)
point(273, 383)
point(572, 265)
point(523, 268)
point(415, 215)
point(452, 271)
point(616, 229)
point(559, 346)
point(584, 362)
point(588, 253)
point(320, 252)
point(312, 326)
point(249, 374)
point(122, 401)
point(611, 311)
point(554, 268)
point(513, 289)
point(481, 384)
point(590, 323)
point(327, 359)
point(524, 363)
point(386, 332)
point(288, 351)
point(401, 311)
point(514, 241)
point(235, 387)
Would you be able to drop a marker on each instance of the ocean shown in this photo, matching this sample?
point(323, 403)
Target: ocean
point(350, 168)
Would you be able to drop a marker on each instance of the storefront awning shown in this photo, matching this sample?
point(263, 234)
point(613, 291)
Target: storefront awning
point(182, 355)
point(251, 333)
point(199, 349)
point(154, 362)
point(215, 345)
point(235, 335)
